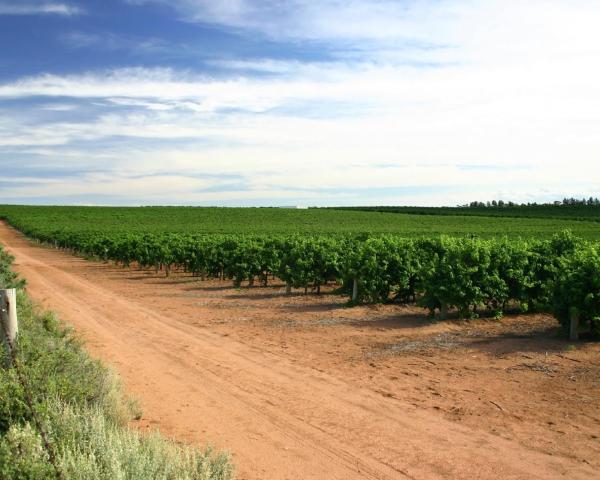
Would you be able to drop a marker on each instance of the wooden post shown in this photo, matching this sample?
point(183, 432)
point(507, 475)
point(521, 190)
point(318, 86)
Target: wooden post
point(355, 290)
point(288, 288)
point(574, 326)
point(8, 318)
point(444, 311)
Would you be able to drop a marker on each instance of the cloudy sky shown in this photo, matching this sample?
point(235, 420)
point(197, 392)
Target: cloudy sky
point(284, 102)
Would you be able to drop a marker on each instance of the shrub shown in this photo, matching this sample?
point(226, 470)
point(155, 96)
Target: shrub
point(456, 276)
point(382, 266)
point(577, 289)
point(83, 411)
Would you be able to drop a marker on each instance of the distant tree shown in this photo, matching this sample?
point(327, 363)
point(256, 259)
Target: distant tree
point(567, 201)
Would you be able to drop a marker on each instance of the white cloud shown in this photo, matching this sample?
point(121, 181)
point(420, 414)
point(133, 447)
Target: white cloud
point(58, 107)
point(411, 24)
point(510, 105)
point(38, 8)
point(110, 41)
point(306, 19)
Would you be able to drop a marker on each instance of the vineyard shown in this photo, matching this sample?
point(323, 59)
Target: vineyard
point(575, 212)
point(268, 221)
point(470, 275)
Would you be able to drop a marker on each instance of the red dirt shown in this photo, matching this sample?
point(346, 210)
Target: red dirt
point(302, 387)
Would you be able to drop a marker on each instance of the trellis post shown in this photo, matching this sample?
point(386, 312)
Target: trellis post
point(574, 326)
point(355, 290)
point(443, 311)
point(8, 318)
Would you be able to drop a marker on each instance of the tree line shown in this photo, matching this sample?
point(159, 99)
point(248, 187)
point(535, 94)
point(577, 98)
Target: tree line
point(591, 201)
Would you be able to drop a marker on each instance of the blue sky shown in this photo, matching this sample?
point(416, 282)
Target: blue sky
point(241, 102)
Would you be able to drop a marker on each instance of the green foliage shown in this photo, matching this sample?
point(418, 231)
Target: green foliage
point(309, 248)
point(310, 261)
point(509, 275)
point(83, 410)
point(89, 446)
point(244, 260)
point(411, 222)
point(55, 366)
point(383, 266)
point(8, 278)
point(575, 212)
point(577, 288)
point(457, 276)
point(22, 455)
point(95, 448)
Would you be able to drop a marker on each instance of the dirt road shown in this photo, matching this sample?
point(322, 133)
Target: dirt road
point(280, 415)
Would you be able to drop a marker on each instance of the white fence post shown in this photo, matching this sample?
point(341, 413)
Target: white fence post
point(8, 317)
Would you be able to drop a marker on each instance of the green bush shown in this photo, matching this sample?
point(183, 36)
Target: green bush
point(8, 279)
point(22, 455)
point(55, 365)
point(577, 289)
point(82, 409)
point(383, 266)
point(90, 446)
point(310, 261)
point(456, 276)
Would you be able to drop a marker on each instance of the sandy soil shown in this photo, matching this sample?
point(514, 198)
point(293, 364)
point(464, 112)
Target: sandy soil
point(302, 387)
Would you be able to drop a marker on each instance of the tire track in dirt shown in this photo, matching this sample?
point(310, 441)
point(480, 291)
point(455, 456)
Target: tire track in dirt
point(280, 420)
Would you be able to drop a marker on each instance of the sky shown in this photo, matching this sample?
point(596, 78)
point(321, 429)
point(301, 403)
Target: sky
point(298, 102)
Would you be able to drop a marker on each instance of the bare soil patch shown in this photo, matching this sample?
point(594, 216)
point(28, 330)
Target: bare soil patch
point(305, 387)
